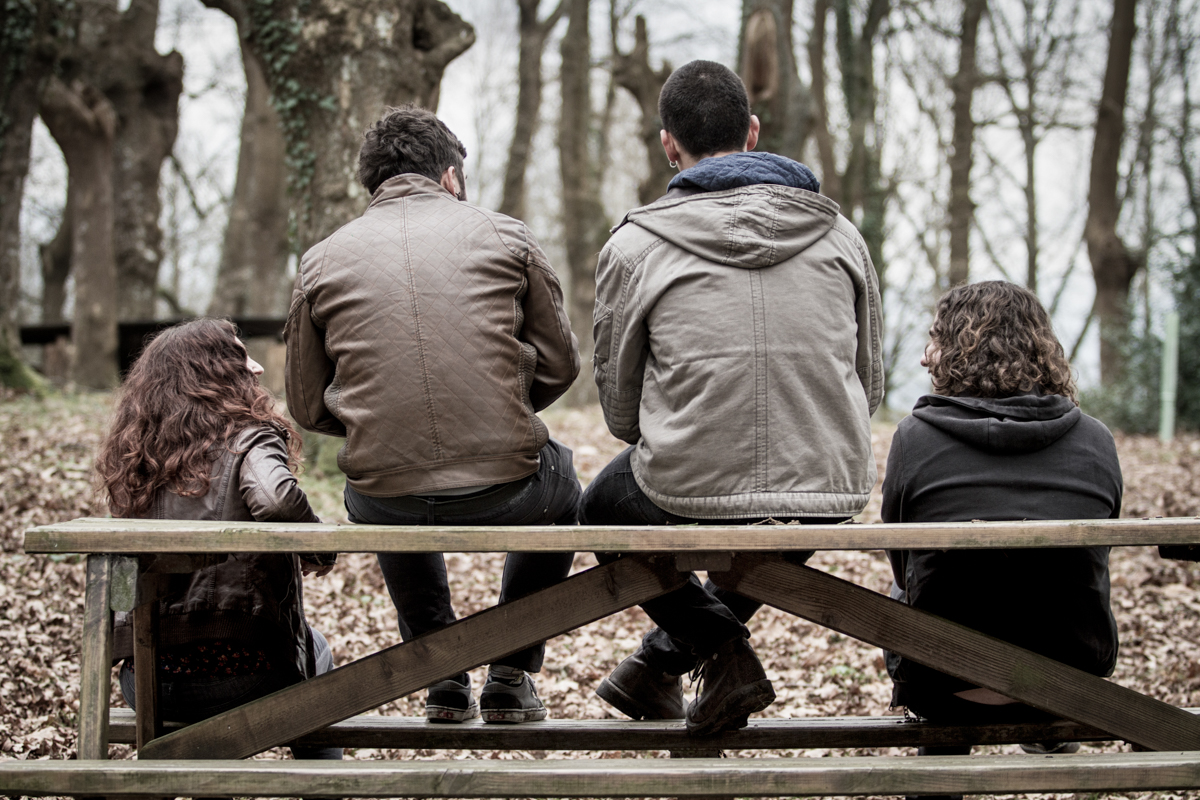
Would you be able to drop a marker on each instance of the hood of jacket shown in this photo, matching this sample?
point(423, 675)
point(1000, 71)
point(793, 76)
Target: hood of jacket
point(1023, 423)
point(747, 210)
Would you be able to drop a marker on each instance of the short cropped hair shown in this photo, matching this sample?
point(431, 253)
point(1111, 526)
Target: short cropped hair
point(408, 139)
point(995, 339)
point(704, 106)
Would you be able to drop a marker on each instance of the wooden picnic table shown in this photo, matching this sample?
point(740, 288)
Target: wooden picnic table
point(126, 556)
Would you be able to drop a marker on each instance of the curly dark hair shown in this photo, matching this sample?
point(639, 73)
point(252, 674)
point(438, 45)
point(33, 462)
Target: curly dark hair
point(188, 394)
point(408, 139)
point(995, 339)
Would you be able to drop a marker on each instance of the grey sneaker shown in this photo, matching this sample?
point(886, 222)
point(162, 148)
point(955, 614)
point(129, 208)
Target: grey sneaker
point(733, 686)
point(1050, 748)
point(639, 691)
point(451, 701)
point(510, 696)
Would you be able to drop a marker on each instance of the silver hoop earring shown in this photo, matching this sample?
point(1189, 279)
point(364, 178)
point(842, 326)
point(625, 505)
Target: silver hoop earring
point(672, 164)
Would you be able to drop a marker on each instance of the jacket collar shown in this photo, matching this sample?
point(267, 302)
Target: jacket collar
point(406, 184)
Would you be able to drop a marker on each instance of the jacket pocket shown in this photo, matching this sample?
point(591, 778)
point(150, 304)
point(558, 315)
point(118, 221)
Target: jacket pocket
point(602, 331)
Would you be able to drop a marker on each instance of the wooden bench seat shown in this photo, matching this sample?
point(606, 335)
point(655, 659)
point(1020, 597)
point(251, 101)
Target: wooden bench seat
point(414, 733)
point(620, 777)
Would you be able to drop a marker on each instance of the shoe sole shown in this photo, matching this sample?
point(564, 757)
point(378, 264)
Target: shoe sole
point(512, 716)
point(612, 694)
point(734, 713)
point(445, 714)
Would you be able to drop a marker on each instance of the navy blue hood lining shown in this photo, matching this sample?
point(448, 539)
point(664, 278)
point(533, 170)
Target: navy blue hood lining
point(746, 169)
point(1023, 423)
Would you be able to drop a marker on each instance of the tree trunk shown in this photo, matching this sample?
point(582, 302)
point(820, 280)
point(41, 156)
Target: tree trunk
point(831, 179)
point(767, 64)
point(862, 184)
point(962, 210)
point(83, 122)
point(332, 71)
point(1113, 266)
point(31, 38)
point(584, 226)
point(56, 266)
point(251, 278)
point(534, 34)
point(143, 87)
point(632, 72)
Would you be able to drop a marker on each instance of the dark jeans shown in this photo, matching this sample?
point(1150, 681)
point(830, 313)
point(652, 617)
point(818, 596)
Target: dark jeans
point(694, 620)
point(193, 698)
point(417, 581)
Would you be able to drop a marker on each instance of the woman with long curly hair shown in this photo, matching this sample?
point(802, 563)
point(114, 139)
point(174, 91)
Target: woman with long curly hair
point(1002, 438)
point(194, 436)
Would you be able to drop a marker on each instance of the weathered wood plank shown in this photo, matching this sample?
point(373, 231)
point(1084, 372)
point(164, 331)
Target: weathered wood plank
point(413, 733)
point(632, 777)
point(96, 659)
point(145, 661)
point(400, 670)
point(957, 650)
point(93, 535)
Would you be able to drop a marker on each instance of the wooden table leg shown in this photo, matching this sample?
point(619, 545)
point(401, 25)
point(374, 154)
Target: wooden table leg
point(962, 652)
point(382, 677)
point(145, 663)
point(96, 659)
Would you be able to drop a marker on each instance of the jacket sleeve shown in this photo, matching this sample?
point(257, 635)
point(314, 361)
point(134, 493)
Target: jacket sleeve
point(310, 370)
point(546, 327)
point(270, 490)
point(892, 509)
point(268, 486)
point(869, 311)
point(622, 344)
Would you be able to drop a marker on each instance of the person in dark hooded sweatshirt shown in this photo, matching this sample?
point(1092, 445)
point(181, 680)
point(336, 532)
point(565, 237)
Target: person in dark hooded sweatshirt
point(1002, 439)
point(737, 328)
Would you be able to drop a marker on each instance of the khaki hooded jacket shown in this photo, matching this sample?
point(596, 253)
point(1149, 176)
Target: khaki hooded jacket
point(428, 332)
point(738, 346)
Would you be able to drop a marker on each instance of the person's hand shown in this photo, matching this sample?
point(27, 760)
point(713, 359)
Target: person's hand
point(308, 568)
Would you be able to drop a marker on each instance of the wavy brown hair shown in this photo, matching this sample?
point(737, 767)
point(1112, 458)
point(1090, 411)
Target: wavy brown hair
point(995, 339)
point(187, 395)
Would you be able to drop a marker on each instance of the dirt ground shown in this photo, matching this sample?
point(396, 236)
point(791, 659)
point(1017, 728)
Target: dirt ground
point(45, 454)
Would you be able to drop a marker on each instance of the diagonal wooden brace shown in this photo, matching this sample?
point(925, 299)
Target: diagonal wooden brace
point(962, 652)
point(400, 670)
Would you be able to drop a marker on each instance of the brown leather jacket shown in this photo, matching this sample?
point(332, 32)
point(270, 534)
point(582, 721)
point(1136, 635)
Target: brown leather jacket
point(428, 332)
point(250, 597)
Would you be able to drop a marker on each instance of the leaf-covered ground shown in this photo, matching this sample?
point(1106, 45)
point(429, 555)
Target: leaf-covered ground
point(45, 453)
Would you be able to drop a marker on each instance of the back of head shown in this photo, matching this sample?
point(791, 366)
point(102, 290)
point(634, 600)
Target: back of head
point(704, 106)
point(995, 339)
point(189, 391)
point(408, 139)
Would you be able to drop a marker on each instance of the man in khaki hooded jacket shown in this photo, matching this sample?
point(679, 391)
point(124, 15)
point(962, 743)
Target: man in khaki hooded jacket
point(429, 332)
point(738, 351)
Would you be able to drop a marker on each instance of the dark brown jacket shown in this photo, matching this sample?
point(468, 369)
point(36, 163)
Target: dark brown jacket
point(428, 332)
point(256, 598)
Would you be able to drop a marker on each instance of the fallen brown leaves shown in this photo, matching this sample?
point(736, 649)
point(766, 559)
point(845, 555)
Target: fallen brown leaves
point(45, 452)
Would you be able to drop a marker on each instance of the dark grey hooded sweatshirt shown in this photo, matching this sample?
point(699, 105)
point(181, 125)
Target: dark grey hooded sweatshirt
point(1035, 457)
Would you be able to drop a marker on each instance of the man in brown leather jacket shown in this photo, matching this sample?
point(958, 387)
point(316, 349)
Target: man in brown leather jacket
point(428, 333)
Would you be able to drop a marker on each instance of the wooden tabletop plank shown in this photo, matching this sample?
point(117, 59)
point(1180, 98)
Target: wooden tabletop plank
point(964, 653)
point(416, 733)
point(405, 668)
point(628, 777)
point(97, 535)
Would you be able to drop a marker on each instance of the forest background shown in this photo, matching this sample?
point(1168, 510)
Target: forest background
point(162, 158)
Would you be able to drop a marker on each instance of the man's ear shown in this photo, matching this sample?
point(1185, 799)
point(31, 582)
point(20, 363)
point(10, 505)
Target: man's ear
point(752, 136)
point(449, 182)
point(670, 147)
